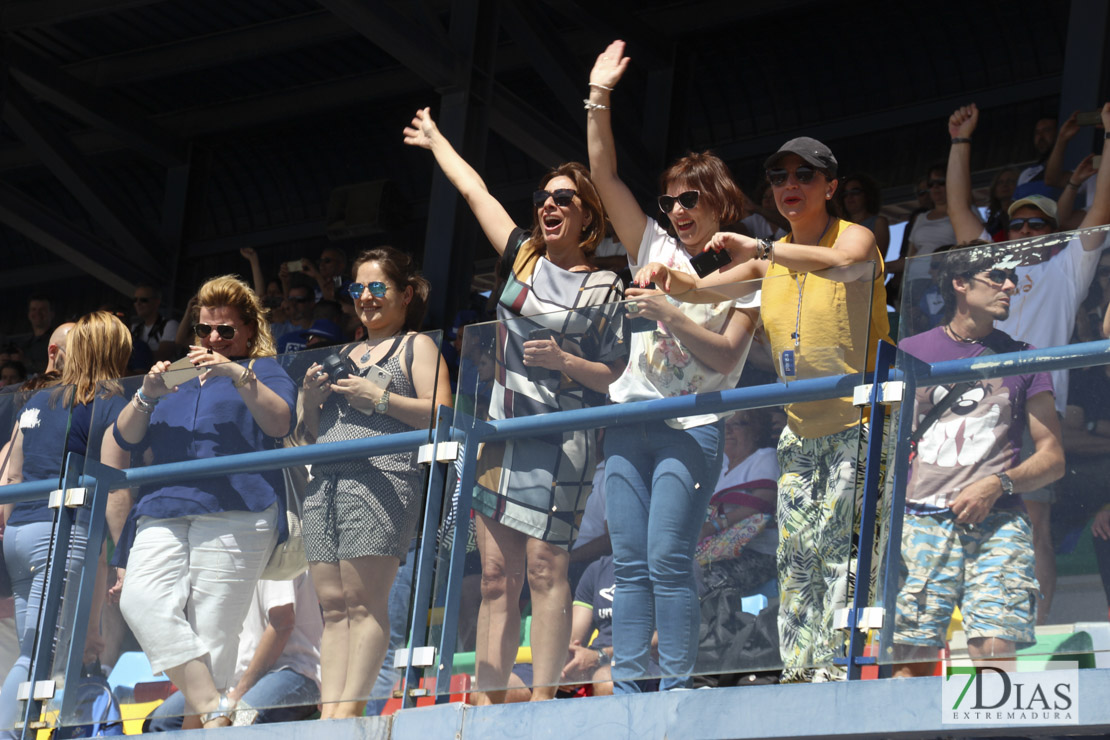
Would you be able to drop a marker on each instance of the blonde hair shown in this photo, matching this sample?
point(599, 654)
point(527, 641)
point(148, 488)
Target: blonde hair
point(230, 291)
point(97, 350)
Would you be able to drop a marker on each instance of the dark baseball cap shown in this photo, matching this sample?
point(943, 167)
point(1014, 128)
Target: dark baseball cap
point(811, 150)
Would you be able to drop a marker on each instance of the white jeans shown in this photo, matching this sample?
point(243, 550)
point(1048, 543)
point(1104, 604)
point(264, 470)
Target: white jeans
point(189, 584)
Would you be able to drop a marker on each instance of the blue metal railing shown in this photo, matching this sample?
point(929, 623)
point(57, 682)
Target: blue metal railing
point(473, 432)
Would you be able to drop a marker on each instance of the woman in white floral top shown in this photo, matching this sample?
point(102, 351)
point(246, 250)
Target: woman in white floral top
point(660, 475)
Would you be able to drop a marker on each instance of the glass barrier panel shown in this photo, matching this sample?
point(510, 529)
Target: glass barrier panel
point(39, 428)
point(1042, 595)
point(515, 634)
point(207, 565)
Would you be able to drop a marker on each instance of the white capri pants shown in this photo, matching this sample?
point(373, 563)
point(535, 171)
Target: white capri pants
point(189, 584)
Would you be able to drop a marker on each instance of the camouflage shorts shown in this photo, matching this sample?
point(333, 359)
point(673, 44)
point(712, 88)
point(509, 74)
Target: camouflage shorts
point(987, 569)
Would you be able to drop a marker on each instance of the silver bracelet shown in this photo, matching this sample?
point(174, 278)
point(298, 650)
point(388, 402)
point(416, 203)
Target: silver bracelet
point(142, 406)
point(764, 249)
point(601, 87)
point(588, 105)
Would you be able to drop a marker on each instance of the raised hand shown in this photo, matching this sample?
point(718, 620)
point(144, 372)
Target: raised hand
point(610, 65)
point(962, 123)
point(1069, 128)
point(248, 254)
point(422, 129)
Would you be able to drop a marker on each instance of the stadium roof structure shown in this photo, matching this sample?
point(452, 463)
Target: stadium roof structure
point(149, 140)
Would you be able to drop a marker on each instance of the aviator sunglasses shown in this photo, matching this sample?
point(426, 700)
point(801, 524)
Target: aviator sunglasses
point(803, 175)
point(204, 330)
point(562, 197)
point(1036, 222)
point(998, 276)
point(687, 200)
point(377, 289)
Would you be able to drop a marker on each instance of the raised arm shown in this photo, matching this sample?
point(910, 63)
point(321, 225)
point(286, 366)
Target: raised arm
point(492, 216)
point(251, 256)
point(1054, 173)
point(965, 222)
point(1099, 212)
point(620, 205)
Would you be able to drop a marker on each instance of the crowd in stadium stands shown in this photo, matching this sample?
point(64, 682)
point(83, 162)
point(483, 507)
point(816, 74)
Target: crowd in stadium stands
point(624, 558)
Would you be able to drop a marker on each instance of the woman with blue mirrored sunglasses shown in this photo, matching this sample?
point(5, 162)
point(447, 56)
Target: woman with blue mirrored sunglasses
point(376, 287)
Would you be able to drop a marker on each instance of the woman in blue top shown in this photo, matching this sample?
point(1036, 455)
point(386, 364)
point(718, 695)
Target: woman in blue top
point(200, 546)
point(68, 418)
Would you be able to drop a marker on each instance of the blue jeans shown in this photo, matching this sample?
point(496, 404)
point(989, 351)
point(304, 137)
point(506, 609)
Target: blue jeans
point(658, 481)
point(26, 551)
point(279, 696)
point(400, 594)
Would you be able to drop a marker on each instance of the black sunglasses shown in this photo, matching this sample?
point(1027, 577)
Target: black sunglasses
point(299, 298)
point(562, 197)
point(204, 330)
point(1036, 222)
point(687, 200)
point(803, 174)
point(998, 276)
point(937, 182)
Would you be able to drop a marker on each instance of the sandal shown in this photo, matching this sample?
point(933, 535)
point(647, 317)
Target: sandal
point(223, 710)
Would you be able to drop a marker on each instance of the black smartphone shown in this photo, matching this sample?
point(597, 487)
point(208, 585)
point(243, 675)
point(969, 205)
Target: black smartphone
point(536, 373)
point(637, 324)
point(709, 262)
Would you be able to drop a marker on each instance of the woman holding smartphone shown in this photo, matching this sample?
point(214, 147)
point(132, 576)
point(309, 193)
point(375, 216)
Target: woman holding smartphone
point(659, 475)
point(556, 349)
point(359, 515)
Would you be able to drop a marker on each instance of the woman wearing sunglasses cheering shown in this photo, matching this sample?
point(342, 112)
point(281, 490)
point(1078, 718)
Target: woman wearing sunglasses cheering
point(199, 547)
point(359, 515)
point(556, 349)
point(818, 325)
point(659, 475)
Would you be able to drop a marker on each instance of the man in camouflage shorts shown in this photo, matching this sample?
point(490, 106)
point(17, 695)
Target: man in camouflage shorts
point(966, 537)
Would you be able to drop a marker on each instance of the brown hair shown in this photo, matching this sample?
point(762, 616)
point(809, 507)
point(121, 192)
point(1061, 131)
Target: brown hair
point(401, 270)
point(710, 176)
point(97, 350)
point(230, 291)
point(592, 233)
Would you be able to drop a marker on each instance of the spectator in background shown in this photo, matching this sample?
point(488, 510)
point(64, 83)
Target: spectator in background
point(271, 291)
point(12, 372)
point(592, 610)
point(929, 233)
point(300, 303)
point(860, 201)
point(40, 315)
point(763, 220)
point(924, 205)
point(277, 670)
point(1001, 197)
point(1032, 180)
point(150, 327)
point(328, 273)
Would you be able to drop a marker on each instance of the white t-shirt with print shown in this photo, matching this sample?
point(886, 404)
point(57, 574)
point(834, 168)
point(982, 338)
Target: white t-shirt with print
point(659, 366)
point(763, 464)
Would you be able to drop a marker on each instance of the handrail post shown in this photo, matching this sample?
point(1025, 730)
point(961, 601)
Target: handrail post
point(424, 577)
point(891, 581)
point(42, 657)
point(445, 656)
point(872, 496)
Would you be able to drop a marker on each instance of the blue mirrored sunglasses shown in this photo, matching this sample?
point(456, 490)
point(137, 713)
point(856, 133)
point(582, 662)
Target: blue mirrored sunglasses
point(376, 288)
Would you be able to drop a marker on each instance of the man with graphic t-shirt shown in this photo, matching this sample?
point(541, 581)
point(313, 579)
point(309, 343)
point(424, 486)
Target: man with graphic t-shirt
point(967, 540)
point(1051, 284)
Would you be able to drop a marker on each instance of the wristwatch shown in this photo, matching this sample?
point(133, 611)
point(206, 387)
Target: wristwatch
point(383, 403)
point(1007, 484)
point(603, 658)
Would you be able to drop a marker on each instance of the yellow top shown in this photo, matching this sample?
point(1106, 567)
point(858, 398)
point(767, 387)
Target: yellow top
point(837, 333)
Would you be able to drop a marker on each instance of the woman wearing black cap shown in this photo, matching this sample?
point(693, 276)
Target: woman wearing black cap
point(818, 326)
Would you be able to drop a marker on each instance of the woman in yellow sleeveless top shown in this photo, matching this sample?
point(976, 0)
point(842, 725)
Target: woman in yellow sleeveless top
point(818, 325)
